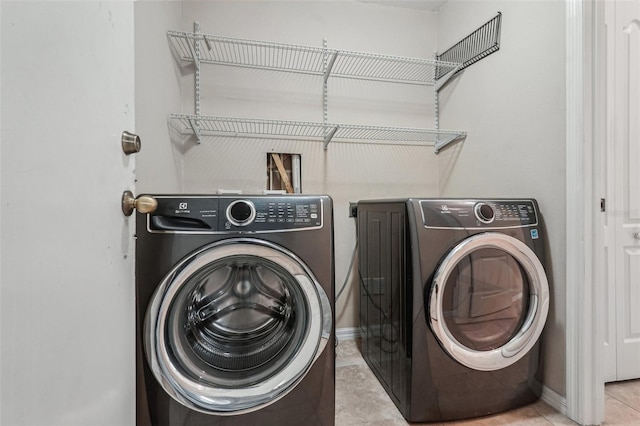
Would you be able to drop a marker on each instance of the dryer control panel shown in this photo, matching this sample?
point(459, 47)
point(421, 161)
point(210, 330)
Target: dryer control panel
point(250, 214)
point(453, 213)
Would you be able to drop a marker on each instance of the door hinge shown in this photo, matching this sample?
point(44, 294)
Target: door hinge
point(603, 205)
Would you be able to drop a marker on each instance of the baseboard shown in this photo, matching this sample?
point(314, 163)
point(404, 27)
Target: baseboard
point(348, 333)
point(554, 399)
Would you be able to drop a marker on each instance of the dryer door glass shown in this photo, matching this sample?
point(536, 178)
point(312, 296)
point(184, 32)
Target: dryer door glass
point(236, 326)
point(489, 301)
point(486, 299)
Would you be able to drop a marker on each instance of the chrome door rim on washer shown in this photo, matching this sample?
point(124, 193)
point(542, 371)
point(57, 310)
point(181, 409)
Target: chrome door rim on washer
point(534, 320)
point(228, 400)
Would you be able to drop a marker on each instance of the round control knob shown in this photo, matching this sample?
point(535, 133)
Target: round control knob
point(241, 212)
point(484, 212)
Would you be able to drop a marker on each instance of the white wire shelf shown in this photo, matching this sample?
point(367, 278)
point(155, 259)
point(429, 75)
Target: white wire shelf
point(202, 125)
point(213, 49)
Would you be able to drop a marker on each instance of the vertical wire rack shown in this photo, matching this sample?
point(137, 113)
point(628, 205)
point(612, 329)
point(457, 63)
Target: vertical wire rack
point(476, 46)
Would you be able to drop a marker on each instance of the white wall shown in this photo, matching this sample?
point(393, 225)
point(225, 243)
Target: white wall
point(158, 94)
point(67, 283)
point(512, 105)
point(347, 172)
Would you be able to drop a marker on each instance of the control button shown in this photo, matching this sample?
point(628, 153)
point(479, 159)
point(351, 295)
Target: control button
point(484, 212)
point(241, 212)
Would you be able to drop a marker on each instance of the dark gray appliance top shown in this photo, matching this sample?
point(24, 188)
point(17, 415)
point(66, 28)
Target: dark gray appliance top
point(466, 213)
point(243, 214)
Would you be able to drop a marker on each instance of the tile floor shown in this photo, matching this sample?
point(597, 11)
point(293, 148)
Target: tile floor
point(361, 400)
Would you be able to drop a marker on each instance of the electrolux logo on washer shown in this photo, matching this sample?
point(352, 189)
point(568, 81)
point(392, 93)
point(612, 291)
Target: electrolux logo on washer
point(183, 208)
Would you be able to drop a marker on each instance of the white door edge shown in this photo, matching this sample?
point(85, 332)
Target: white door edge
point(584, 292)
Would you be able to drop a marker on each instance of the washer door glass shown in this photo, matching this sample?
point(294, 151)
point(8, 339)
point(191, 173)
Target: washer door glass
point(235, 326)
point(489, 301)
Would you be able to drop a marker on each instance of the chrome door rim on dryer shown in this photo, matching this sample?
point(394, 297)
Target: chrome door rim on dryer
point(182, 375)
point(534, 321)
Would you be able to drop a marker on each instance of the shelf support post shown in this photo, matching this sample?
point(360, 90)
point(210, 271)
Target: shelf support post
point(436, 110)
point(325, 95)
point(328, 133)
point(196, 89)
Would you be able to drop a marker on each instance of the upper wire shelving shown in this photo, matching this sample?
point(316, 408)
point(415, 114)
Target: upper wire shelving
point(307, 59)
point(327, 63)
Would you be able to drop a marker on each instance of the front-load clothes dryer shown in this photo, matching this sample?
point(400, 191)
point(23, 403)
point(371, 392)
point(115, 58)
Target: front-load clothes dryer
point(453, 300)
point(235, 302)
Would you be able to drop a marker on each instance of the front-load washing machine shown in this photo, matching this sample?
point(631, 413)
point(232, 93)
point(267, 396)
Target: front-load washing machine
point(454, 298)
point(235, 301)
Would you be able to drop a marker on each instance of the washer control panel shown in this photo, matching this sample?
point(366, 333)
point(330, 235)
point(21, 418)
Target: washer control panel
point(454, 213)
point(202, 214)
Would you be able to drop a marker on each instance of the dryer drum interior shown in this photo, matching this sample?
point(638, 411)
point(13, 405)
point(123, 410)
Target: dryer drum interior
point(485, 300)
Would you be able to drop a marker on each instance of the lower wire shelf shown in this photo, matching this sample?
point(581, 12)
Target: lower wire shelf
point(203, 125)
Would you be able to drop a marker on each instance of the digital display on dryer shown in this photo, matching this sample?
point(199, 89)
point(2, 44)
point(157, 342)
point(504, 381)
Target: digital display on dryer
point(522, 212)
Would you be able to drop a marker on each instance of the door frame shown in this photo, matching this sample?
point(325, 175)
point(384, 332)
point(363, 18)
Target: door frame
point(585, 281)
